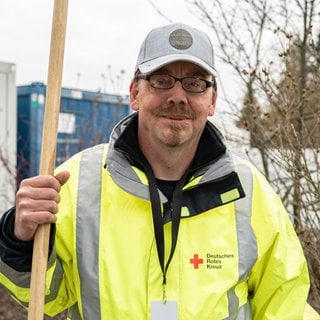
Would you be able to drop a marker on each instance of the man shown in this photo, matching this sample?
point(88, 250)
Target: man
point(163, 223)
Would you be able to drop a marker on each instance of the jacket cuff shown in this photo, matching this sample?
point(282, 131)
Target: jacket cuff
point(16, 253)
point(7, 228)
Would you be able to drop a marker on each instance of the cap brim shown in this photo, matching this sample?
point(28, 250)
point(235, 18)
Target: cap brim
point(152, 65)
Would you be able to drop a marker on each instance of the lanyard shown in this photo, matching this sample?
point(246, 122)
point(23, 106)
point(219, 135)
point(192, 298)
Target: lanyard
point(158, 224)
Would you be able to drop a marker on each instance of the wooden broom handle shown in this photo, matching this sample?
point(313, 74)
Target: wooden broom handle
point(48, 154)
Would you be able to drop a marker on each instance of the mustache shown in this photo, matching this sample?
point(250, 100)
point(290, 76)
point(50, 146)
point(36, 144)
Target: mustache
point(175, 110)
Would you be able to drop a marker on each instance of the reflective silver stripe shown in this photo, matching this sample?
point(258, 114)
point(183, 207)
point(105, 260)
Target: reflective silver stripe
point(56, 278)
point(88, 230)
point(22, 279)
point(233, 305)
point(247, 243)
point(244, 312)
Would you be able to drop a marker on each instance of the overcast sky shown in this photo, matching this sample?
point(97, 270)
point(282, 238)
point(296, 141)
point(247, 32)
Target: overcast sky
point(103, 38)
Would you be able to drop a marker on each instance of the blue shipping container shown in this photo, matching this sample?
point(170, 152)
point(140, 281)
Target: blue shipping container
point(86, 118)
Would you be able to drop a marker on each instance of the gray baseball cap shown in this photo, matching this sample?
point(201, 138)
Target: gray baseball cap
point(175, 42)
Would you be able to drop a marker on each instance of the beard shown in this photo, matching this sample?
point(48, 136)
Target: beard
point(176, 131)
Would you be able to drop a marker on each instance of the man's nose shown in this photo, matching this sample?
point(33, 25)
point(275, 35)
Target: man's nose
point(177, 94)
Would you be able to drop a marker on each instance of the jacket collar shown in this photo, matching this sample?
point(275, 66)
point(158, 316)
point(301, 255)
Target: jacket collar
point(127, 165)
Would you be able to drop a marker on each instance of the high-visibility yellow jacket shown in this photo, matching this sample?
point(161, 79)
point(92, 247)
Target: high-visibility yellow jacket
point(237, 254)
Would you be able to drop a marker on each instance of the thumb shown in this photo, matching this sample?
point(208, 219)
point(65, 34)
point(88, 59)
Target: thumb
point(62, 177)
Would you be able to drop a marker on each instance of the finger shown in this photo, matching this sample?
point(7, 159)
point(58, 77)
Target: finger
point(27, 193)
point(62, 177)
point(29, 206)
point(26, 224)
point(33, 218)
point(41, 181)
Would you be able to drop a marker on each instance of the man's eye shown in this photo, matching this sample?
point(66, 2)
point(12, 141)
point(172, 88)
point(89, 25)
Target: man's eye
point(161, 81)
point(193, 83)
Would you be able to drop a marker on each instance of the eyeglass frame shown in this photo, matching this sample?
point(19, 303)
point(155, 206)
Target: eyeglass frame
point(147, 77)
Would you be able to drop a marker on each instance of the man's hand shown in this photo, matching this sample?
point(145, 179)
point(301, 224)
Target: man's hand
point(37, 202)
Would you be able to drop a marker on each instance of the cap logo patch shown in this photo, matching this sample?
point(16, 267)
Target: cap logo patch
point(180, 39)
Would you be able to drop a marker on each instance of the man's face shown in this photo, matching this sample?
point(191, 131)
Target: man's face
point(173, 117)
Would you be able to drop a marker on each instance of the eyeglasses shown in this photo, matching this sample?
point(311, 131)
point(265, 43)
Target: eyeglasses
point(164, 81)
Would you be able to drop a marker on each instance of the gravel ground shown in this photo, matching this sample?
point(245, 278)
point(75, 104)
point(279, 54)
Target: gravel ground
point(11, 310)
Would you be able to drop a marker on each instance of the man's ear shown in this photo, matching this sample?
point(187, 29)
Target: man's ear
point(134, 90)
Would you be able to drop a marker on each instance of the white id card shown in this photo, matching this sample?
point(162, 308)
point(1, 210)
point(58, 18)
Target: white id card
point(167, 311)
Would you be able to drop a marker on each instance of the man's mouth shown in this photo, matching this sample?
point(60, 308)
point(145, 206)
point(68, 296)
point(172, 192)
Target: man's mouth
point(176, 117)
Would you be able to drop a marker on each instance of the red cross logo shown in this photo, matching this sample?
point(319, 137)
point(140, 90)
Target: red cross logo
point(196, 261)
